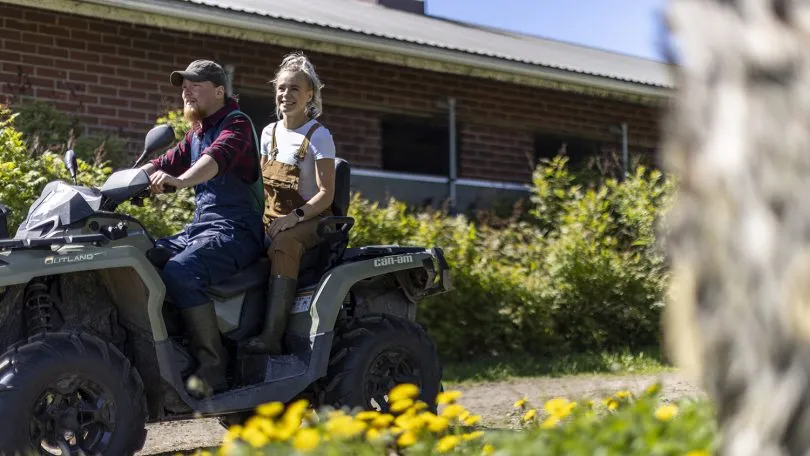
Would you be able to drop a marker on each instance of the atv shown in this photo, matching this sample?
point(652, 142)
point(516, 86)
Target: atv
point(93, 350)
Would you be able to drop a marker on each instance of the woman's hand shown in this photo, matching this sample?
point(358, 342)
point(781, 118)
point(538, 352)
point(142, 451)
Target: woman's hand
point(282, 223)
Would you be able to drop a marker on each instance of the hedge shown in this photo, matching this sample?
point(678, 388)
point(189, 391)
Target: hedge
point(578, 270)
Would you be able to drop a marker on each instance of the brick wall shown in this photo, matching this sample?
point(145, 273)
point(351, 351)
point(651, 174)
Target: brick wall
point(115, 77)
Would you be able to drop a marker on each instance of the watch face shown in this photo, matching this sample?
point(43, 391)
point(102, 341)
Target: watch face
point(299, 212)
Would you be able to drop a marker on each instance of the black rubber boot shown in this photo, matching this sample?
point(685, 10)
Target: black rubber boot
point(280, 296)
point(207, 348)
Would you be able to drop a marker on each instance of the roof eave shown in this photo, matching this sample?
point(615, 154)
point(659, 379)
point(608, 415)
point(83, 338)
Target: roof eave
point(185, 16)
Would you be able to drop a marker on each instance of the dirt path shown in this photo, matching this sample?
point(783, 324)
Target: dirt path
point(493, 401)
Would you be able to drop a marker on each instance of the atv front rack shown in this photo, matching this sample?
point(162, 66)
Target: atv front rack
point(47, 243)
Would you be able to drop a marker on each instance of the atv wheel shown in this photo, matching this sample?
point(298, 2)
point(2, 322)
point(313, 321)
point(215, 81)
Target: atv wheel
point(376, 353)
point(70, 394)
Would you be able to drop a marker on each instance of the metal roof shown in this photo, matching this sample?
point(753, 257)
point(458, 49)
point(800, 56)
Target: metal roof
point(364, 18)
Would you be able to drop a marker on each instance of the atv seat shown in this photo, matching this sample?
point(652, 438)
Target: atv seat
point(333, 230)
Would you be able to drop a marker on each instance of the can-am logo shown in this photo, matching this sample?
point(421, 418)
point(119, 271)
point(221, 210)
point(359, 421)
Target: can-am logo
point(388, 261)
point(71, 259)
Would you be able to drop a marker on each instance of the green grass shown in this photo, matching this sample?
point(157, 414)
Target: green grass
point(491, 369)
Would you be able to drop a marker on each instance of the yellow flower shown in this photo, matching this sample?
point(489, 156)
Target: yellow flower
point(472, 420)
point(666, 412)
point(560, 407)
point(624, 394)
point(306, 440)
point(520, 403)
point(488, 449)
point(408, 438)
point(438, 424)
point(382, 421)
point(255, 437)
point(401, 405)
point(698, 453)
point(447, 443)
point(270, 410)
point(345, 427)
point(611, 403)
point(373, 434)
point(473, 435)
point(448, 397)
point(529, 415)
point(233, 433)
point(403, 391)
point(418, 406)
point(367, 415)
point(452, 411)
point(550, 422)
point(653, 389)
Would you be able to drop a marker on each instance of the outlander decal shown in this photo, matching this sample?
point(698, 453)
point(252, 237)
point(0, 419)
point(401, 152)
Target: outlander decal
point(388, 261)
point(67, 259)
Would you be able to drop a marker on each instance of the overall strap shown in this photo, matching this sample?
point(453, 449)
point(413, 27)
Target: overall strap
point(257, 188)
point(273, 147)
point(302, 151)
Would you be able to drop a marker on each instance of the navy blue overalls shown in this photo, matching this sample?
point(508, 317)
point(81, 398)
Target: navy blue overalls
point(225, 235)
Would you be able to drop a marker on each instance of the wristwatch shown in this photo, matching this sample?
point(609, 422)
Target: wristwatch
point(300, 213)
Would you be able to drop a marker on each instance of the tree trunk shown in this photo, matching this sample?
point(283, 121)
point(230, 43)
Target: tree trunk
point(738, 138)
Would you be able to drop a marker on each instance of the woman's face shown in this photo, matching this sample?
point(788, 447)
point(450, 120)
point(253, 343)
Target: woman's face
point(293, 93)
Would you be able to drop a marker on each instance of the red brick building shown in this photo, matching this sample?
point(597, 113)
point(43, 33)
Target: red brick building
point(406, 94)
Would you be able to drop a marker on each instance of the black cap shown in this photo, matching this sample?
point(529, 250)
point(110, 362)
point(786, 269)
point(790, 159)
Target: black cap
point(199, 71)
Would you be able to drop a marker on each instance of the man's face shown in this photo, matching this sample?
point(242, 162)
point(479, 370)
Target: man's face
point(201, 99)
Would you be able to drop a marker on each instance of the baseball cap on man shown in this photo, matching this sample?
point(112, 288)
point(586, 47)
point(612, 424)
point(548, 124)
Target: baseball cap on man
point(199, 71)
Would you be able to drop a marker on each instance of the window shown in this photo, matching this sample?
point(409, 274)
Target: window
point(417, 145)
point(260, 108)
point(578, 150)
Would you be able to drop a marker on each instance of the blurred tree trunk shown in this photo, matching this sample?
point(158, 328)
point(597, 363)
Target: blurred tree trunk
point(738, 138)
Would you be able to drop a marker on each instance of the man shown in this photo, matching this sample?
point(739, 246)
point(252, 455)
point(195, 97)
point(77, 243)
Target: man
point(219, 157)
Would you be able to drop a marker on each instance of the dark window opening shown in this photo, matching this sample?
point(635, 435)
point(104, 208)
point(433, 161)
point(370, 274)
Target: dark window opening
point(260, 108)
point(580, 151)
point(417, 145)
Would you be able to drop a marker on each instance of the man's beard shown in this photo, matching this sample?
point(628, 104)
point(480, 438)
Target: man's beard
point(194, 114)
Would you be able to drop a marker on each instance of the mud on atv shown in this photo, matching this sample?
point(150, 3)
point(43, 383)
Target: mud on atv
point(91, 353)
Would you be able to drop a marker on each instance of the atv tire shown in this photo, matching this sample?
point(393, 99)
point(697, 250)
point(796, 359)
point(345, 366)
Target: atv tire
point(376, 353)
point(75, 382)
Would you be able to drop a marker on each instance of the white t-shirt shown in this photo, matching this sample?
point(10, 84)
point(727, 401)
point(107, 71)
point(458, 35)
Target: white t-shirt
point(289, 141)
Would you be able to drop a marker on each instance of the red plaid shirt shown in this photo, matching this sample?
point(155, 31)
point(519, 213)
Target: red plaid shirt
point(232, 149)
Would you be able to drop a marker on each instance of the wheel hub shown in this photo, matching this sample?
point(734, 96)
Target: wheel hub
point(72, 416)
point(390, 368)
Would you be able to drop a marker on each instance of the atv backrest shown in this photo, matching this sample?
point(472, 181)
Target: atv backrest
point(5, 213)
point(343, 181)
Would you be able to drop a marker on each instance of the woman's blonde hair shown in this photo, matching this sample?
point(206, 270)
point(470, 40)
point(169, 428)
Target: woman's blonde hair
point(295, 62)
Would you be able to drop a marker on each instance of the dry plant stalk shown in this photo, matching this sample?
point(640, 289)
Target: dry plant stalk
point(738, 139)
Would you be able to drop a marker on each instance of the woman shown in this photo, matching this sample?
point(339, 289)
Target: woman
point(298, 170)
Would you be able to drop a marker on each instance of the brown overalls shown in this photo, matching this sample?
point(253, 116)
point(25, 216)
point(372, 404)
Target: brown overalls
point(281, 183)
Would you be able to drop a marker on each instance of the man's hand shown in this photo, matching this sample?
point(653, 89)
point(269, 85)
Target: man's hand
point(282, 223)
point(158, 179)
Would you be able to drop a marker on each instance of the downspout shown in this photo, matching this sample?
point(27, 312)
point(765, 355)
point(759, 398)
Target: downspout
point(625, 154)
point(453, 175)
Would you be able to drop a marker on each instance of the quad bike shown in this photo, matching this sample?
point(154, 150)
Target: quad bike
point(91, 353)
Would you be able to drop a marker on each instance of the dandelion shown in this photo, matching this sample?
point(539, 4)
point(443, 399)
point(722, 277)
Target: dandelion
point(471, 420)
point(550, 422)
point(520, 403)
point(473, 435)
point(438, 424)
point(270, 410)
point(624, 394)
point(382, 421)
point(529, 415)
point(401, 405)
point(345, 427)
point(402, 392)
point(698, 453)
point(373, 434)
point(488, 449)
point(453, 411)
point(407, 439)
point(447, 443)
point(653, 389)
point(368, 415)
point(448, 397)
point(306, 440)
point(560, 407)
point(666, 412)
point(255, 437)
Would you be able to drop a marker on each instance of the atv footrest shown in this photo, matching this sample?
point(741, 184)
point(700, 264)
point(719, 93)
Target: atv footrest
point(284, 366)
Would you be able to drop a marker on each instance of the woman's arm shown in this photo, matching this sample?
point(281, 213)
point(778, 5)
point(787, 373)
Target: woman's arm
point(325, 179)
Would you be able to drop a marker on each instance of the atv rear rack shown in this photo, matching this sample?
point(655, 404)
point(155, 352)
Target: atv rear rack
point(47, 243)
